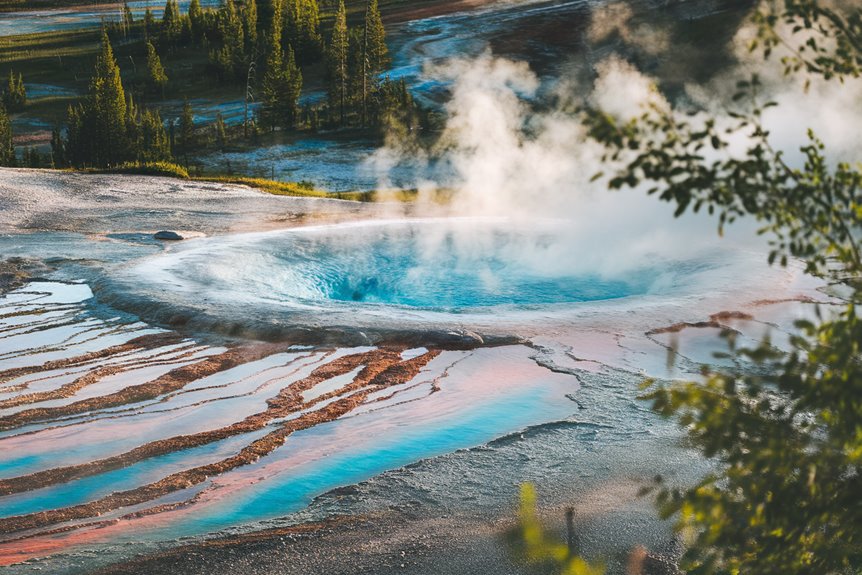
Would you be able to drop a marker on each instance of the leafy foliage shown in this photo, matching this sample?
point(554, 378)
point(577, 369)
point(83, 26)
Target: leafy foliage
point(788, 434)
point(533, 546)
point(832, 45)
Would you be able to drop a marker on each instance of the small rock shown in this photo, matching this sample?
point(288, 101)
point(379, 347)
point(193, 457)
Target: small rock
point(167, 235)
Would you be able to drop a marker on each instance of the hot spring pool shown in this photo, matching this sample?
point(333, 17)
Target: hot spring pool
point(428, 266)
point(367, 274)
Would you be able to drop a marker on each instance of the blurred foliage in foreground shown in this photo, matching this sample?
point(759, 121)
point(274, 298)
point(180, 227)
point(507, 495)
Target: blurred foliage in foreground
point(544, 553)
point(784, 427)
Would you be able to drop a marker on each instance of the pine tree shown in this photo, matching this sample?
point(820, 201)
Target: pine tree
point(220, 131)
point(273, 74)
point(7, 150)
point(31, 158)
point(58, 149)
point(375, 54)
point(106, 109)
point(338, 70)
point(249, 25)
point(128, 19)
point(149, 23)
point(15, 96)
point(375, 50)
point(154, 145)
point(156, 77)
point(171, 24)
point(21, 91)
point(77, 145)
point(187, 130)
point(303, 28)
point(291, 91)
point(230, 58)
point(196, 20)
point(133, 129)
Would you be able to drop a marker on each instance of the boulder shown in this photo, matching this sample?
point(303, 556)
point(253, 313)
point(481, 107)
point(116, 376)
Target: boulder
point(167, 235)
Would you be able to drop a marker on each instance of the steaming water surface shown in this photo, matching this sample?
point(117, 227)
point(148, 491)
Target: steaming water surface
point(389, 274)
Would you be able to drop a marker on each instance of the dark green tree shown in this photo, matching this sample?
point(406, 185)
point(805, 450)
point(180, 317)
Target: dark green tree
point(7, 150)
point(374, 41)
point(302, 30)
point(78, 146)
point(105, 110)
point(58, 149)
point(274, 72)
point(374, 54)
point(153, 145)
point(338, 73)
point(133, 129)
point(128, 19)
point(230, 59)
point(187, 131)
point(108, 129)
point(149, 23)
point(249, 25)
point(171, 25)
point(196, 20)
point(291, 91)
point(393, 109)
point(15, 95)
point(156, 77)
point(220, 131)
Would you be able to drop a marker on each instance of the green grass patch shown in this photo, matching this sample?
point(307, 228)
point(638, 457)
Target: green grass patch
point(301, 189)
point(149, 169)
point(289, 188)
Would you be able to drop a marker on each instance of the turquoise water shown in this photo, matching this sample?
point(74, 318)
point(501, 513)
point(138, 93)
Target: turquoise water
point(94, 487)
point(449, 266)
point(391, 268)
point(294, 490)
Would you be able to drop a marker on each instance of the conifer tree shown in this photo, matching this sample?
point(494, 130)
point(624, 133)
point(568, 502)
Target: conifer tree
point(338, 70)
point(303, 28)
point(133, 129)
point(171, 24)
point(375, 50)
point(128, 19)
point(220, 131)
point(196, 20)
point(154, 145)
point(149, 23)
point(15, 96)
point(230, 58)
point(187, 130)
point(273, 73)
point(58, 149)
point(375, 55)
point(156, 77)
point(291, 90)
point(105, 109)
point(7, 150)
point(249, 25)
point(77, 146)
point(20, 91)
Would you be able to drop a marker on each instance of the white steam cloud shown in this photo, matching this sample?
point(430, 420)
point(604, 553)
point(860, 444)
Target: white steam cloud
point(508, 158)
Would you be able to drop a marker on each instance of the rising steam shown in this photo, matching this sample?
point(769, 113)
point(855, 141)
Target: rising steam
point(511, 151)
